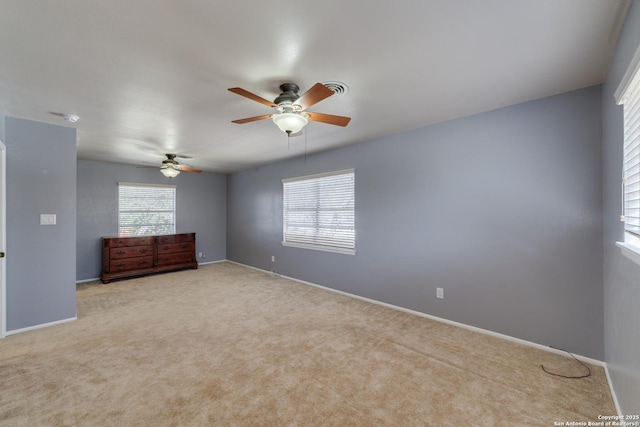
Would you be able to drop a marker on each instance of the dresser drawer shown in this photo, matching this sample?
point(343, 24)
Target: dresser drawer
point(130, 252)
point(174, 258)
point(175, 238)
point(139, 263)
point(129, 241)
point(168, 248)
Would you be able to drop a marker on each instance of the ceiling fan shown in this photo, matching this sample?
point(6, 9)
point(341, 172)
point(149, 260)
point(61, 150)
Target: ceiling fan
point(290, 108)
point(171, 168)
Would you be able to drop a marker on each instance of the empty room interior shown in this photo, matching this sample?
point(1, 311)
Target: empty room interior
point(335, 213)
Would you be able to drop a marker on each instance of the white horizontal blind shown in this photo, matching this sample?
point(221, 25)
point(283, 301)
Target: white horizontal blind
point(319, 211)
point(146, 210)
point(631, 162)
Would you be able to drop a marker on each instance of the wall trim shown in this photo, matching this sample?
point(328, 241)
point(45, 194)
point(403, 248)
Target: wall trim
point(613, 392)
point(3, 238)
point(212, 262)
point(87, 280)
point(42, 325)
point(438, 319)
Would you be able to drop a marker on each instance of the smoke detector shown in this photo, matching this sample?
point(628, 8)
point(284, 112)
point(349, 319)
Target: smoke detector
point(70, 118)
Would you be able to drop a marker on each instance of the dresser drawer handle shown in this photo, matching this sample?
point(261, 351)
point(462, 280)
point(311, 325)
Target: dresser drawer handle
point(142, 262)
point(144, 251)
point(165, 248)
point(120, 253)
point(120, 265)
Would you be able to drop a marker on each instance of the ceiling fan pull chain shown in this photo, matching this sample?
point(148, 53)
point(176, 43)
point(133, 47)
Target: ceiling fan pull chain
point(305, 145)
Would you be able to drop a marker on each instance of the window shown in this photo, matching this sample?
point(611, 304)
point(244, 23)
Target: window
point(631, 162)
point(628, 94)
point(146, 209)
point(319, 212)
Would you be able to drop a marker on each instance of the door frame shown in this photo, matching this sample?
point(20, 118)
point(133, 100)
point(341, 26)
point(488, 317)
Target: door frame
point(3, 239)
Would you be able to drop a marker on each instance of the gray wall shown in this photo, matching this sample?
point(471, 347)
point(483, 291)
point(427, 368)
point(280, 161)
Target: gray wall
point(200, 208)
point(621, 276)
point(501, 209)
point(41, 179)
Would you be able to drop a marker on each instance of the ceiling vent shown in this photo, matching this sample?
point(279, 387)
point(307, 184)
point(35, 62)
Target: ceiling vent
point(338, 88)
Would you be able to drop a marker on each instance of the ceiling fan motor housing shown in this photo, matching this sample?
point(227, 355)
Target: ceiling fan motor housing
point(288, 96)
point(170, 161)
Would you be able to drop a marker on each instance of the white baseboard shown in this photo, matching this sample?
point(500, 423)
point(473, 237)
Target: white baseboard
point(613, 392)
point(87, 280)
point(212, 262)
point(43, 325)
point(438, 319)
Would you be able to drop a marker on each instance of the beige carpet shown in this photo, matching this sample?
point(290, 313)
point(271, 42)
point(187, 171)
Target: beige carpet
point(225, 345)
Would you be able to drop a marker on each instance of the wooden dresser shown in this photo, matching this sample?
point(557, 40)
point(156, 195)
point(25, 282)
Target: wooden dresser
point(136, 256)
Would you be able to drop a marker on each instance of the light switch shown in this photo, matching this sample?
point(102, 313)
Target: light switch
point(47, 219)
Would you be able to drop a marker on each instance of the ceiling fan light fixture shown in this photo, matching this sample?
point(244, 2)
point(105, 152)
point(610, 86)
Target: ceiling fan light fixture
point(169, 172)
point(290, 122)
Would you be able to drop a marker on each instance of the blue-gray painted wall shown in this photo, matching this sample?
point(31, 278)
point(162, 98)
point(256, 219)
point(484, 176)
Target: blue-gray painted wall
point(621, 276)
point(494, 208)
point(501, 209)
point(200, 209)
point(41, 179)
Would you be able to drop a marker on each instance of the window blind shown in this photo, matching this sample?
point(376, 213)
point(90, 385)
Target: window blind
point(631, 156)
point(145, 209)
point(319, 211)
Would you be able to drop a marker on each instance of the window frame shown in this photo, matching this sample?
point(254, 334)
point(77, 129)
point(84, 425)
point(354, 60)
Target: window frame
point(140, 186)
point(629, 90)
point(342, 245)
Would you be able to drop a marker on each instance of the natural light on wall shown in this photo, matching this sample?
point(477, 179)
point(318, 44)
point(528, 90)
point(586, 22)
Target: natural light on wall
point(628, 94)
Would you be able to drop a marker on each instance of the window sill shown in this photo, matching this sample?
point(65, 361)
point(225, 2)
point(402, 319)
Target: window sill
point(630, 251)
point(321, 248)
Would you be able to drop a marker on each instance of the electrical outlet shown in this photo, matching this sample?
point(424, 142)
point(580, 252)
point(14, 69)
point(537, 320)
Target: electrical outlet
point(199, 254)
point(273, 258)
point(440, 293)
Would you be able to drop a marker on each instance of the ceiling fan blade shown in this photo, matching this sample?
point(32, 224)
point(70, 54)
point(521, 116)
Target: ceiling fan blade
point(328, 118)
point(317, 93)
point(251, 119)
point(185, 168)
point(253, 96)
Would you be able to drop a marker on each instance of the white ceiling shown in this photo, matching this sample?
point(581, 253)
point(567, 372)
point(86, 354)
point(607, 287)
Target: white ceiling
point(149, 77)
